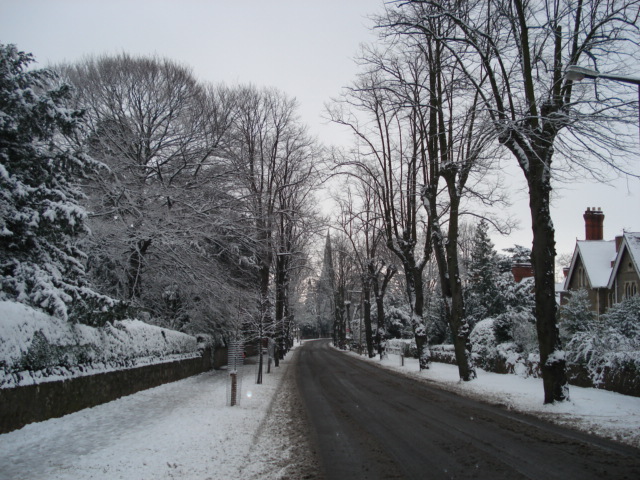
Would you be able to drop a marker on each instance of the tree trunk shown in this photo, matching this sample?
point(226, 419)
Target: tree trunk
point(552, 360)
point(459, 325)
point(134, 273)
point(366, 307)
point(380, 317)
point(264, 312)
point(280, 286)
point(379, 291)
point(413, 276)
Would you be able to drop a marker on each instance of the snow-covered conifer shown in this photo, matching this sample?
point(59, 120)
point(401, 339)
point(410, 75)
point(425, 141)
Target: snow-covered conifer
point(576, 315)
point(41, 220)
point(624, 317)
point(483, 299)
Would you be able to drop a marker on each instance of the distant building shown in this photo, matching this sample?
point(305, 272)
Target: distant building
point(606, 269)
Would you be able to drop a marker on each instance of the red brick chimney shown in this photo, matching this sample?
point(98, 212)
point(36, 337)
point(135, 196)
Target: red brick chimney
point(618, 243)
point(593, 224)
point(521, 270)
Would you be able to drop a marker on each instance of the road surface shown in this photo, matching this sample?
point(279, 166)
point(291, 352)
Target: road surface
point(369, 423)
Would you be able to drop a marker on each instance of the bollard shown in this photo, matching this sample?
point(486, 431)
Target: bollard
point(234, 364)
point(234, 388)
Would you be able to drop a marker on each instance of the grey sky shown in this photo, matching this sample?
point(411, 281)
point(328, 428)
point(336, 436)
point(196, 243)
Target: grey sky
point(303, 47)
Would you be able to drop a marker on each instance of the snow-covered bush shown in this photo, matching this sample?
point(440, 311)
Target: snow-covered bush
point(576, 315)
point(398, 321)
point(517, 327)
point(624, 317)
point(484, 344)
point(35, 346)
point(504, 357)
point(611, 345)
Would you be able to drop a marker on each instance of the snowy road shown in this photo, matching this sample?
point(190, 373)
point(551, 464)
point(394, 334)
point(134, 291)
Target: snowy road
point(178, 430)
point(372, 423)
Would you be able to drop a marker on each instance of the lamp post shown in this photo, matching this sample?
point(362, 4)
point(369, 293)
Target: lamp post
point(577, 73)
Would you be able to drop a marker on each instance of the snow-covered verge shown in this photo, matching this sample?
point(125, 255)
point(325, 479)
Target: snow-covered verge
point(600, 412)
point(178, 430)
point(36, 347)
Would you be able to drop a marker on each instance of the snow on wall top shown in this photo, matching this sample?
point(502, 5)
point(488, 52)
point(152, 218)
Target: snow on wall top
point(597, 256)
point(36, 347)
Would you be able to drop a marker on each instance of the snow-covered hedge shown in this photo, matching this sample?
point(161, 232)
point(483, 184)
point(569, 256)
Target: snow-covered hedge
point(36, 347)
point(404, 345)
point(443, 354)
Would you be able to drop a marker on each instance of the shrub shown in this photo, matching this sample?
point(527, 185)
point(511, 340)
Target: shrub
point(576, 315)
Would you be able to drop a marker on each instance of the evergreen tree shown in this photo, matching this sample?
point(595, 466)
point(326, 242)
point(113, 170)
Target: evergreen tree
point(482, 293)
point(519, 254)
point(624, 318)
point(576, 315)
point(41, 220)
point(493, 293)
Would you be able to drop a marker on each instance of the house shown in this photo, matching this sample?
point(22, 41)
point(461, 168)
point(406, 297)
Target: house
point(607, 269)
point(625, 278)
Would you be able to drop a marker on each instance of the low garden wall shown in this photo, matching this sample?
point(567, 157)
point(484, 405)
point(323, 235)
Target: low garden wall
point(33, 403)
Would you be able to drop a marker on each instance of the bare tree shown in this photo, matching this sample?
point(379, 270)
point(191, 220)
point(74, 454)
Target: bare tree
point(271, 157)
point(163, 238)
point(514, 53)
point(296, 223)
point(361, 223)
point(388, 152)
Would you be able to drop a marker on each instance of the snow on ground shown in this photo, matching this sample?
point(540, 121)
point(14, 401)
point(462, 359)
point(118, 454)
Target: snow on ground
point(600, 412)
point(178, 430)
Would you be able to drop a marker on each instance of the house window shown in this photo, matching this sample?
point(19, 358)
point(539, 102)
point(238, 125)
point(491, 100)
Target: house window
point(582, 280)
point(630, 289)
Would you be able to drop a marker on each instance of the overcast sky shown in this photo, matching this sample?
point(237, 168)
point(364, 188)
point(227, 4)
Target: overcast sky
point(303, 47)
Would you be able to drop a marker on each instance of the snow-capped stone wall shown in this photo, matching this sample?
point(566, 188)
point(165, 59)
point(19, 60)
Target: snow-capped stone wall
point(36, 347)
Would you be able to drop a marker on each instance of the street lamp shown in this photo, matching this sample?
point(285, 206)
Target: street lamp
point(577, 73)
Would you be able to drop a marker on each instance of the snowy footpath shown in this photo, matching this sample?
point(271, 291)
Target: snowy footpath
point(179, 430)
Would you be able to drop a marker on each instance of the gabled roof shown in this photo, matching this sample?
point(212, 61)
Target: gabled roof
point(631, 243)
point(596, 256)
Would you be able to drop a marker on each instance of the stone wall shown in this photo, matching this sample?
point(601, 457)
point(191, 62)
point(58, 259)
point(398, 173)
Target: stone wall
point(34, 403)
